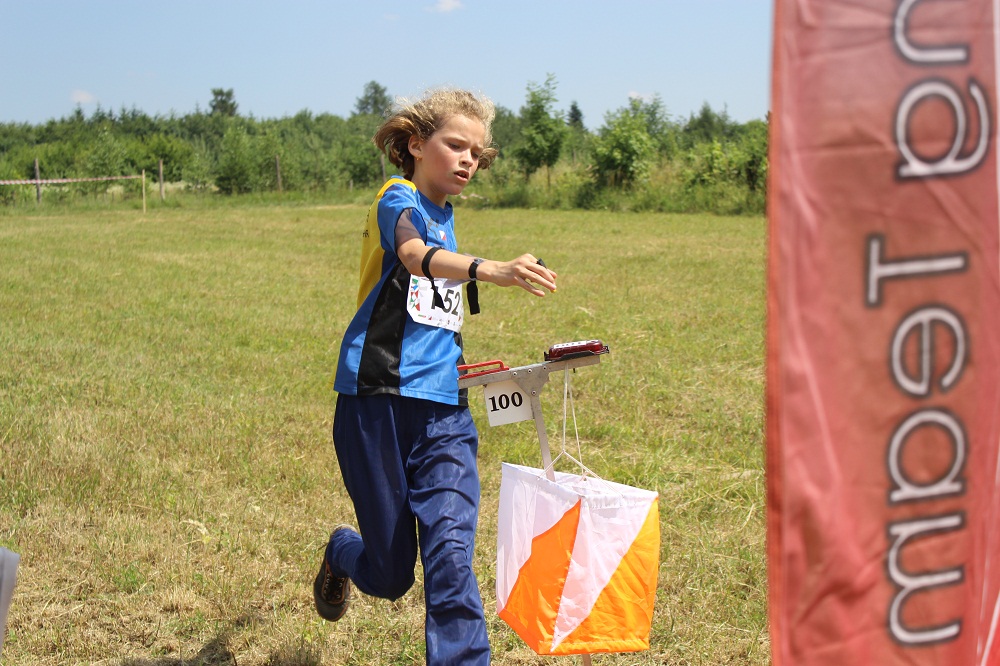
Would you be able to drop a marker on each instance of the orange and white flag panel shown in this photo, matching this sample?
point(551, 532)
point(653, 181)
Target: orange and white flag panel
point(883, 352)
point(577, 561)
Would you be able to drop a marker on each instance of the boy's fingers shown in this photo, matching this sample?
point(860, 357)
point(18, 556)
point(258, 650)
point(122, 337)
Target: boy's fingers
point(529, 284)
point(547, 278)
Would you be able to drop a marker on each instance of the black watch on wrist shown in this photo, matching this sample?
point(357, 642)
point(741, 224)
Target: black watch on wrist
point(473, 267)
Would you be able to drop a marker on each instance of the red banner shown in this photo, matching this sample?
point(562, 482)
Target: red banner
point(884, 334)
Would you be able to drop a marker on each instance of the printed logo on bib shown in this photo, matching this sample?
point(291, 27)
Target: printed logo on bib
point(420, 303)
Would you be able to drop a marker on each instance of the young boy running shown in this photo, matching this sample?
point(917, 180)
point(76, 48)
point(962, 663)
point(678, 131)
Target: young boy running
point(405, 440)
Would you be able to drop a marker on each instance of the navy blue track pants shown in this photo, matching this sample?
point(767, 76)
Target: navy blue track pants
point(409, 466)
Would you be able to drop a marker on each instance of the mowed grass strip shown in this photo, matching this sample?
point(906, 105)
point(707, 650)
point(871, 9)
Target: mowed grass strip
point(166, 468)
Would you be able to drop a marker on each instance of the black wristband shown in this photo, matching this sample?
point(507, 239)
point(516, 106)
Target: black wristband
point(425, 267)
point(473, 266)
point(472, 297)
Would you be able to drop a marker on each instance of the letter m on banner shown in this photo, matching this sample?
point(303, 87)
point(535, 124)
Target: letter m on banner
point(883, 411)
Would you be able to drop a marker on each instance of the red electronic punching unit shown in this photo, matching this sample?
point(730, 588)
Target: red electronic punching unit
point(568, 350)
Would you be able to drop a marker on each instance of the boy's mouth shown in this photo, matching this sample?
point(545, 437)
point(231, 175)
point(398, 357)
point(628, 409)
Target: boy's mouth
point(464, 175)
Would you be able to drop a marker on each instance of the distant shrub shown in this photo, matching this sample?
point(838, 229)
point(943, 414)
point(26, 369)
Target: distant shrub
point(236, 171)
point(622, 149)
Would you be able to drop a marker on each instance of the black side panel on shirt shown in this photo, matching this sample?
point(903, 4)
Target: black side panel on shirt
point(463, 393)
point(378, 370)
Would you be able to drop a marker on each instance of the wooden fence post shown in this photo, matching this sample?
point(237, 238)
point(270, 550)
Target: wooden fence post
point(38, 184)
point(277, 168)
point(143, 191)
point(162, 197)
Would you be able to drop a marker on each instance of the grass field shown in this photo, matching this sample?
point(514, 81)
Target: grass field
point(166, 467)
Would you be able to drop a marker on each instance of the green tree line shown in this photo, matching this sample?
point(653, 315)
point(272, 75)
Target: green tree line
point(639, 158)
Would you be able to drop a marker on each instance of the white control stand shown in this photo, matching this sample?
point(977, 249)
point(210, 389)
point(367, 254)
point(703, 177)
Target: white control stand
point(530, 379)
point(510, 385)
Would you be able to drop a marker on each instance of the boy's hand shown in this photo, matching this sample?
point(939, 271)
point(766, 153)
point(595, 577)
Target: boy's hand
point(525, 272)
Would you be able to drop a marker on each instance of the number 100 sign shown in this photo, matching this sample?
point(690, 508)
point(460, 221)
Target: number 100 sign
point(506, 403)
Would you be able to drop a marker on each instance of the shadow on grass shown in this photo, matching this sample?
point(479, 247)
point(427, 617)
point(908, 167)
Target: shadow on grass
point(217, 653)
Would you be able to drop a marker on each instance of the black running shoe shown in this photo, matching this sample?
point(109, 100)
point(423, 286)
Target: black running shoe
point(332, 594)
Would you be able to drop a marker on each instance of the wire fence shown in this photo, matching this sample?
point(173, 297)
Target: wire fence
point(59, 181)
point(38, 182)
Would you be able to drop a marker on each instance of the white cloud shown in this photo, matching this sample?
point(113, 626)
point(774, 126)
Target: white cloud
point(445, 6)
point(82, 97)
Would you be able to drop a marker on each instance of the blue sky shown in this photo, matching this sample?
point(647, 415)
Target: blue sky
point(281, 58)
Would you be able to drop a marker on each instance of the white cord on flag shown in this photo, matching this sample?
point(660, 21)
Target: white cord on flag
point(569, 405)
point(568, 398)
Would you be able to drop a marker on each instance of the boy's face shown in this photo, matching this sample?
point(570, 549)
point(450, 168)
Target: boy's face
point(445, 162)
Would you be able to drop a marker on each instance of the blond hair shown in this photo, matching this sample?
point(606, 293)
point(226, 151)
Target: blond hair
point(427, 115)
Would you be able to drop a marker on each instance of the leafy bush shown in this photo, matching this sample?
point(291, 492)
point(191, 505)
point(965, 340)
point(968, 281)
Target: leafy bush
point(175, 153)
point(542, 129)
point(751, 161)
point(197, 171)
point(622, 149)
point(707, 164)
point(107, 157)
point(237, 170)
point(10, 194)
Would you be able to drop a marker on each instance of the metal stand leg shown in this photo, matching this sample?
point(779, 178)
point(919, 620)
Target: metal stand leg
point(543, 438)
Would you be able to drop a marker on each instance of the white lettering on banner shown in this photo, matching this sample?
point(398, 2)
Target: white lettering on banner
point(914, 267)
point(950, 163)
point(920, 324)
point(951, 483)
point(927, 330)
point(952, 54)
point(901, 532)
point(922, 321)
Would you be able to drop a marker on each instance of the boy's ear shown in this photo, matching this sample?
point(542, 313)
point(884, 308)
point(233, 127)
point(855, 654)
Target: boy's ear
point(415, 146)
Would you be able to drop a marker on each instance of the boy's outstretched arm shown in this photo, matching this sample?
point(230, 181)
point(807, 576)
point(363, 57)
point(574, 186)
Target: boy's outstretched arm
point(524, 271)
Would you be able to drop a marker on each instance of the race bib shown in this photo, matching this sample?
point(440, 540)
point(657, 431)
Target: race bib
point(420, 303)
